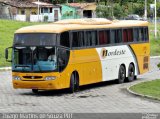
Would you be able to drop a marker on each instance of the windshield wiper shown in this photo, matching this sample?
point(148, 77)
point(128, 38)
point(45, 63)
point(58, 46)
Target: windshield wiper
point(21, 66)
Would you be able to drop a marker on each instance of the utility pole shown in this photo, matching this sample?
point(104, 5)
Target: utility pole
point(38, 10)
point(145, 10)
point(155, 20)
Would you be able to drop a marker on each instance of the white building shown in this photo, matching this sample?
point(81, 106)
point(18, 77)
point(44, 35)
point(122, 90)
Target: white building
point(29, 12)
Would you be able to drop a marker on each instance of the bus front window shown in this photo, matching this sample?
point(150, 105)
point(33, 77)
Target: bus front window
point(35, 59)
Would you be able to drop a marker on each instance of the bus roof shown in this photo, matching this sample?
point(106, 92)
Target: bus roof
point(78, 24)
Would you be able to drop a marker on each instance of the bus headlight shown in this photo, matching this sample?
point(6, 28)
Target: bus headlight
point(16, 78)
point(50, 78)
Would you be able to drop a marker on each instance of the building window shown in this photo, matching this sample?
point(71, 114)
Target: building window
point(45, 10)
point(41, 10)
point(22, 11)
point(50, 10)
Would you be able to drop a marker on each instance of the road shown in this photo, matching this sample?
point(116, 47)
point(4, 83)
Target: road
point(106, 97)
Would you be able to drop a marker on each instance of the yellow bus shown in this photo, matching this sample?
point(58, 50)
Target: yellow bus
point(76, 52)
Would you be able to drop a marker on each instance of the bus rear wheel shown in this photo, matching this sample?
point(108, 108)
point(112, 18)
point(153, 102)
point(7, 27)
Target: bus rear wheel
point(131, 73)
point(121, 74)
point(74, 83)
point(35, 91)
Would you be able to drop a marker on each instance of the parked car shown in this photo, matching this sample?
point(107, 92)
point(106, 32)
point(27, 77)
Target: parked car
point(134, 17)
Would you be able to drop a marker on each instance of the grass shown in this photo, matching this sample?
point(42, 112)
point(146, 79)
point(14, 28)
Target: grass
point(8, 27)
point(151, 88)
point(155, 43)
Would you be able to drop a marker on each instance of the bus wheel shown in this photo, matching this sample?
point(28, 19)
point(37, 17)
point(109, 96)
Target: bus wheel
point(121, 74)
point(35, 91)
point(74, 83)
point(131, 73)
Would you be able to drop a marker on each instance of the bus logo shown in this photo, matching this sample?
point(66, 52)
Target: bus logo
point(115, 52)
point(104, 53)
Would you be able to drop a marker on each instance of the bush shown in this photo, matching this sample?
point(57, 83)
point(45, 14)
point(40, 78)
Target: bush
point(103, 11)
point(45, 18)
point(118, 11)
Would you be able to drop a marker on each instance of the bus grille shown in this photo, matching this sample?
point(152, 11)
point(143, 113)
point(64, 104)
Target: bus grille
point(32, 77)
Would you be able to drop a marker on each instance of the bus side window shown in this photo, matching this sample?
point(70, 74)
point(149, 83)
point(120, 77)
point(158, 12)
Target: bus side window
point(63, 58)
point(81, 39)
point(91, 38)
point(146, 38)
point(94, 38)
point(75, 39)
point(130, 35)
point(78, 39)
point(88, 38)
point(113, 36)
point(118, 36)
point(125, 39)
point(142, 34)
point(107, 32)
point(103, 37)
point(64, 39)
point(136, 34)
point(127, 35)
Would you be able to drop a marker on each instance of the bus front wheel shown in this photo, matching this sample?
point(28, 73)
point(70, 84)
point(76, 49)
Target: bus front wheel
point(74, 83)
point(121, 74)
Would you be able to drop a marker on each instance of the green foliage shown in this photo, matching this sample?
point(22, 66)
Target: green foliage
point(45, 18)
point(103, 11)
point(158, 65)
point(150, 88)
point(118, 11)
point(138, 9)
point(158, 9)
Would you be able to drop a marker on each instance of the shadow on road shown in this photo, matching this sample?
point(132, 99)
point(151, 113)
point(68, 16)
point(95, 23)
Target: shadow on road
point(63, 92)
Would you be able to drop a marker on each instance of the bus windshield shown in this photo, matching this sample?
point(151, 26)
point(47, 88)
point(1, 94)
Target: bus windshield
point(35, 39)
point(34, 59)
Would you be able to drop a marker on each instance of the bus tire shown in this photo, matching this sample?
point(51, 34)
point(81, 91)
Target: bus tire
point(135, 77)
point(74, 83)
point(35, 91)
point(131, 73)
point(121, 74)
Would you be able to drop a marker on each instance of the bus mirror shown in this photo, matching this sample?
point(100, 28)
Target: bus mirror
point(6, 54)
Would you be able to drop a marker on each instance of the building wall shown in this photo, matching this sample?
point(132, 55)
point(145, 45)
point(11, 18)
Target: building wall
point(6, 11)
point(69, 12)
point(31, 14)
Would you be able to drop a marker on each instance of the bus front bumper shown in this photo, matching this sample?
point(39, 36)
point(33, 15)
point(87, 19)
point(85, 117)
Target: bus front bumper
point(42, 85)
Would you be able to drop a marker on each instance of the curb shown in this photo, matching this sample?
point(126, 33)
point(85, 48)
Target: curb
point(154, 57)
point(5, 68)
point(141, 95)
